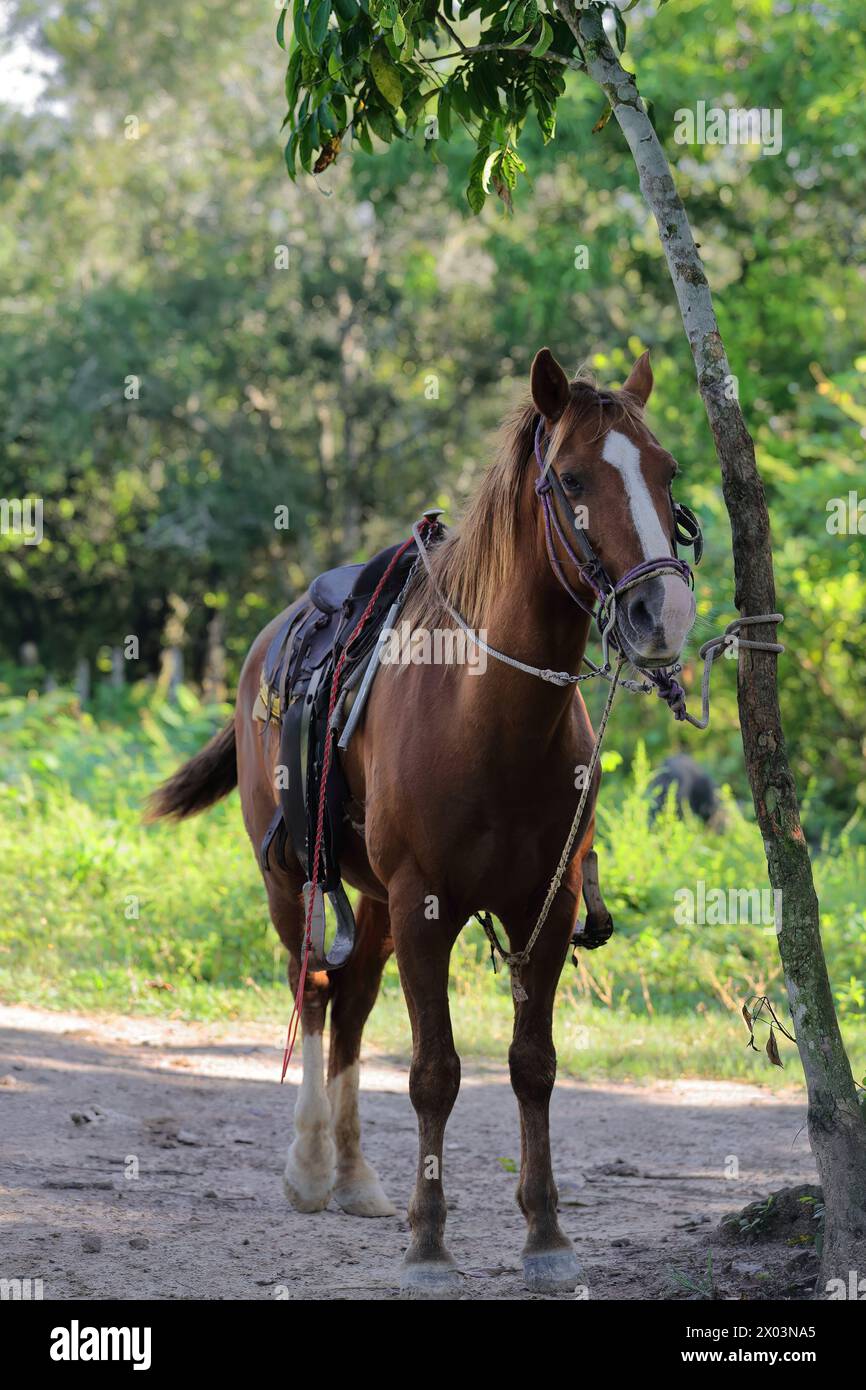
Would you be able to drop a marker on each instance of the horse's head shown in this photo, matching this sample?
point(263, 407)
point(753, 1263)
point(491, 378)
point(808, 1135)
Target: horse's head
point(616, 479)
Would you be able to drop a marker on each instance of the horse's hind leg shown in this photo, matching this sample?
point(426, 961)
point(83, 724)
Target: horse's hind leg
point(310, 1169)
point(354, 990)
point(423, 949)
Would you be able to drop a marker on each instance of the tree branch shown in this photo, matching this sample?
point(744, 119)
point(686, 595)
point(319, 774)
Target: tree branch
point(506, 48)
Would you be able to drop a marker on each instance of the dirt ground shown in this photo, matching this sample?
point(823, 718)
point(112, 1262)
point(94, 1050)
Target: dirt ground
point(142, 1159)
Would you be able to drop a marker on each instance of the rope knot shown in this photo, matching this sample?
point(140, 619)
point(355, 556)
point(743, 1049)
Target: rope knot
point(670, 690)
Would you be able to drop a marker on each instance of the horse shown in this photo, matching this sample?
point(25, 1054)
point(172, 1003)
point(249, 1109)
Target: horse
point(462, 784)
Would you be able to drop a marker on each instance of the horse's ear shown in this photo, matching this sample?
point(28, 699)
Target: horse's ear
point(549, 386)
point(640, 380)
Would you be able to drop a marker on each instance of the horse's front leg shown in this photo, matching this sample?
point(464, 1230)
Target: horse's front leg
point(549, 1262)
point(423, 948)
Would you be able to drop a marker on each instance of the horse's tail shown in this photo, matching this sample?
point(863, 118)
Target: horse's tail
point(205, 779)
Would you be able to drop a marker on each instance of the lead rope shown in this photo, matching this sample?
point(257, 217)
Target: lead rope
point(710, 651)
point(516, 960)
point(727, 641)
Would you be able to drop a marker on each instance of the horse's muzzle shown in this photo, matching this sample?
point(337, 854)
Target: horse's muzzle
point(655, 619)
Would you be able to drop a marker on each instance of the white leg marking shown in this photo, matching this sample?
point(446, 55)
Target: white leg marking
point(312, 1156)
point(358, 1189)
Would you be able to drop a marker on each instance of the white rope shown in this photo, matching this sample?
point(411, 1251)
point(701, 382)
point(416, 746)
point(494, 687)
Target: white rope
point(516, 959)
point(560, 678)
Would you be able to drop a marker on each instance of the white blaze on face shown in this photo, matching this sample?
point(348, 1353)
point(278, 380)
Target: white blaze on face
point(678, 607)
point(625, 457)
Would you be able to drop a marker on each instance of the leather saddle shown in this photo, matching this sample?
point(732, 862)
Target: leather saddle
point(295, 691)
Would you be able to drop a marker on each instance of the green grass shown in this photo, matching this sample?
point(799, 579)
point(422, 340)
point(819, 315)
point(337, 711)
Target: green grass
point(105, 913)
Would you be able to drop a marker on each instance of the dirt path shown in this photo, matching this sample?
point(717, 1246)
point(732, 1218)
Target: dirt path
point(195, 1110)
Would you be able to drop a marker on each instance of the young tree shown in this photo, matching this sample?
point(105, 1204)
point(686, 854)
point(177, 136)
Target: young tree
point(387, 68)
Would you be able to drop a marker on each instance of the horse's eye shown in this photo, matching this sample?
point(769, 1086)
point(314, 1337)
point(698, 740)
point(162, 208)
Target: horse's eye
point(571, 483)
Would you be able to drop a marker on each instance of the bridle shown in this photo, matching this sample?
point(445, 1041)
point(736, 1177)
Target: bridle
point(591, 572)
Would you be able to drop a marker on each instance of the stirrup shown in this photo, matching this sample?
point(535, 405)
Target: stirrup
point(344, 937)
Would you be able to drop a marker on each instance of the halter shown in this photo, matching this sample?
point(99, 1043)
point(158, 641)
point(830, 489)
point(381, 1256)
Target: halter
point(603, 611)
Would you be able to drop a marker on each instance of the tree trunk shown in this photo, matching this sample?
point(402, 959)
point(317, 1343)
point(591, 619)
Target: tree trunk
point(214, 678)
point(837, 1125)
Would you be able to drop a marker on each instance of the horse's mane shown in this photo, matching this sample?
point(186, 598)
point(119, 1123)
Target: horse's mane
point(474, 561)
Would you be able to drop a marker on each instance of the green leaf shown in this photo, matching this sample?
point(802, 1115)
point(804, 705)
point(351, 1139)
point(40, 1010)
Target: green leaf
point(362, 135)
point(521, 38)
point(347, 10)
point(380, 124)
point(293, 78)
point(443, 113)
point(476, 196)
point(476, 193)
point(620, 30)
point(398, 30)
point(290, 154)
point(483, 80)
point(281, 28)
point(319, 17)
point(386, 77)
point(327, 119)
point(544, 42)
point(299, 24)
point(546, 116)
point(518, 18)
point(459, 98)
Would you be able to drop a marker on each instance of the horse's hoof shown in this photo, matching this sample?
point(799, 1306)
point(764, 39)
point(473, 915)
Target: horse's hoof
point(553, 1271)
point(430, 1280)
point(597, 931)
point(305, 1194)
point(363, 1196)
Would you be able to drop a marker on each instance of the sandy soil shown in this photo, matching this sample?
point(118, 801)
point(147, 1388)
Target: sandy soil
point(196, 1112)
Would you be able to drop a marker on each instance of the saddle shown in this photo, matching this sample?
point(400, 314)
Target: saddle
point(295, 691)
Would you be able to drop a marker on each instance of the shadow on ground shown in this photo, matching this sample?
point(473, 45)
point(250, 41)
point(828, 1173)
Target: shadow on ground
point(142, 1159)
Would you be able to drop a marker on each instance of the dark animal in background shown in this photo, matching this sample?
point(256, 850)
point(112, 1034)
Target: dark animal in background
point(695, 788)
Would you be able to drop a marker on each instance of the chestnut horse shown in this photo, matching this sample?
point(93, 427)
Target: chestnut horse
point(463, 788)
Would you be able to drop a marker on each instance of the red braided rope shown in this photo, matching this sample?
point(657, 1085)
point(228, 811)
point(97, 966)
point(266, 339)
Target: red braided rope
point(320, 816)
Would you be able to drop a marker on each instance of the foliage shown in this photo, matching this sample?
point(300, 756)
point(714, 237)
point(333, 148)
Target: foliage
point(109, 913)
point(359, 383)
point(375, 71)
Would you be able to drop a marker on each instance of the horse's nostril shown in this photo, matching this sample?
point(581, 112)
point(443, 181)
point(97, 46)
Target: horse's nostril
point(640, 617)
